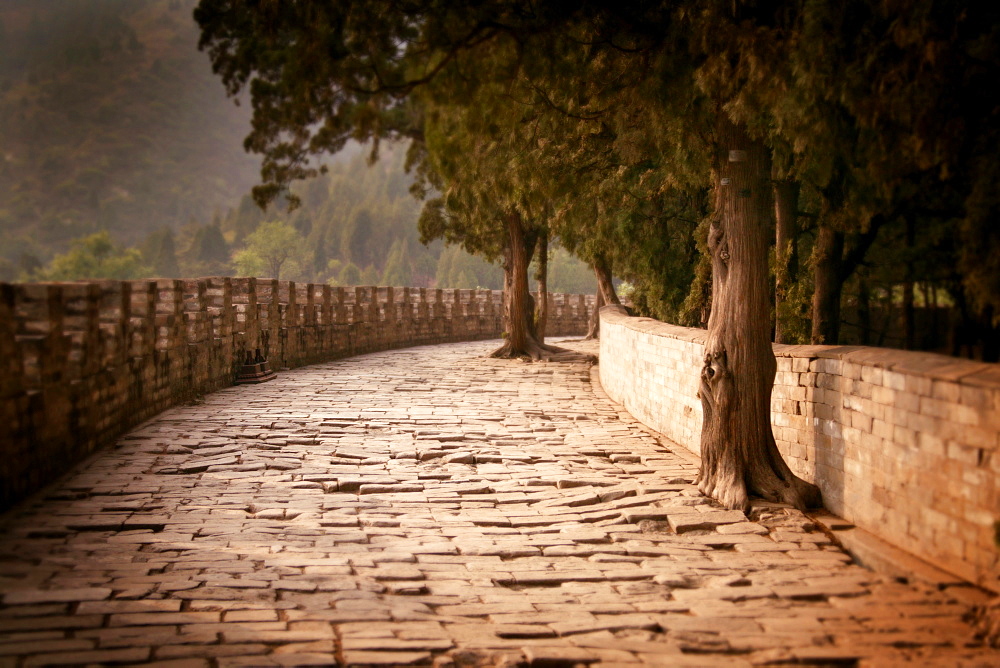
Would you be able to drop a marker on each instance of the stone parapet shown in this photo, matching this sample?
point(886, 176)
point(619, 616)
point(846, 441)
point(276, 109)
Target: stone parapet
point(903, 444)
point(83, 362)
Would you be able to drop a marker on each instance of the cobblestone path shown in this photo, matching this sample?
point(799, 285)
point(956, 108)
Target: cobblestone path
point(429, 506)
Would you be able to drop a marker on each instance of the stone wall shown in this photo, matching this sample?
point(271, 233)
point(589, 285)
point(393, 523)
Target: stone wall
point(905, 445)
point(81, 363)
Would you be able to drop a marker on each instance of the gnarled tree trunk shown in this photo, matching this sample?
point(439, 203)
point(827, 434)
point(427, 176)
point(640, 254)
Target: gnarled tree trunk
point(522, 340)
point(605, 282)
point(739, 456)
point(605, 295)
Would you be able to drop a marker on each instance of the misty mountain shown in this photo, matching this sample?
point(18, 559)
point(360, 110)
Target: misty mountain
point(122, 157)
point(111, 119)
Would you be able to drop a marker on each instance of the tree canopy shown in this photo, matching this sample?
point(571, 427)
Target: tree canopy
point(94, 256)
point(272, 250)
point(671, 143)
point(879, 112)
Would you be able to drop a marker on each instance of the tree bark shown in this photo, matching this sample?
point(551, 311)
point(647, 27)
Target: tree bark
point(829, 253)
point(522, 340)
point(909, 312)
point(542, 276)
point(864, 308)
point(786, 254)
point(739, 455)
point(836, 260)
point(605, 282)
point(594, 330)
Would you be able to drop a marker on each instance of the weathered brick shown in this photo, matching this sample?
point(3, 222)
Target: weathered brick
point(907, 421)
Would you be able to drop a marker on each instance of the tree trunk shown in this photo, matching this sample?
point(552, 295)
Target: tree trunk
point(829, 253)
point(909, 313)
point(605, 284)
point(739, 455)
point(864, 308)
point(542, 276)
point(518, 304)
point(786, 254)
point(836, 260)
point(594, 330)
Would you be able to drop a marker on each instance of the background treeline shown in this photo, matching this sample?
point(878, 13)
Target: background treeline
point(355, 225)
point(121, 157)
point(110, 120)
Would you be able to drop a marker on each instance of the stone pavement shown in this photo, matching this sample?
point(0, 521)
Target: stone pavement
point(432, 507)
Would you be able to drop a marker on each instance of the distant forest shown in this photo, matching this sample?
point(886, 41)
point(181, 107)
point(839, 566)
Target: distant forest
point(122, 158)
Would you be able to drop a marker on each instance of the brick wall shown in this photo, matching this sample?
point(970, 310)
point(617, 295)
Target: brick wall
point(903, 444)
point(81, 363)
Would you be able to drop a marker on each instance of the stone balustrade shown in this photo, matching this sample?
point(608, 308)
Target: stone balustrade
point(84, 362)
point(903, 444)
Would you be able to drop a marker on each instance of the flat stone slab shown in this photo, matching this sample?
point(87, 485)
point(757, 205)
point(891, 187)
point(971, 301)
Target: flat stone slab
point(504, 514)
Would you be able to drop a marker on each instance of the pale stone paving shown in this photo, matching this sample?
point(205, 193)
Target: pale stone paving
point(431, 506)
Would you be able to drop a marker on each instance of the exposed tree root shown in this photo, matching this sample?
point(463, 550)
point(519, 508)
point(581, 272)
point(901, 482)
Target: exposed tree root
point(541, 352)
point(739, 455)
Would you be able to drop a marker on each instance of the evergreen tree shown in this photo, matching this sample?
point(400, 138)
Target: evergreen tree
point(160, 253)
point(355, 238)
point(208, 254)
point(397, 267)
point(648, 139)
point(349, 275)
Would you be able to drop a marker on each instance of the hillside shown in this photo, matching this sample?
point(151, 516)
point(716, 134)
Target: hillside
point(110, 118)
point(122, 157)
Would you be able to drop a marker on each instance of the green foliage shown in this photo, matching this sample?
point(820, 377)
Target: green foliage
point(91, 257)
point(159, 253)
point(206, 252)
point(569, 275)
point(273, 250)
point(369, 276)
point(349, 275)
point(595, 126)
point(458, 269)
point(355, 239)
point(398, 266)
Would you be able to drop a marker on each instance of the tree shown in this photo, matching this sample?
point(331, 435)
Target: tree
point(647, 138)
point(739, 455)
point(349, 275)
point(476, 160)
point(524, 57)
point(458, 269)
point(569, 275)
point(397, 267)
point(274, 246)
point(208, 253)
point(95, 256)
point(356, 238)
point(160, 253)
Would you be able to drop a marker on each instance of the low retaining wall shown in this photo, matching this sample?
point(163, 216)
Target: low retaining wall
point(905, 445)
point(81, 363)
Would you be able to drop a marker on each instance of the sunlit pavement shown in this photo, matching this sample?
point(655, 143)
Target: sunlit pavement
point(431, 506)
